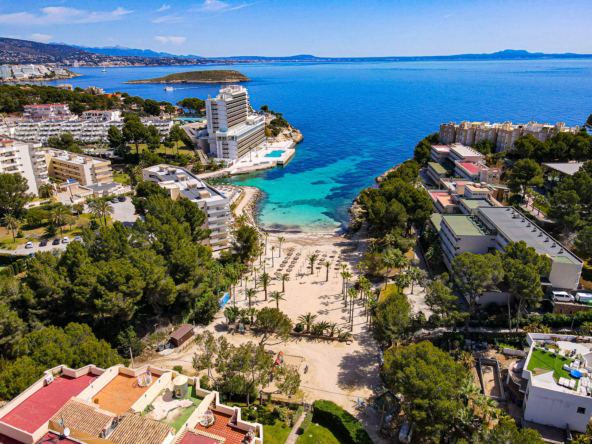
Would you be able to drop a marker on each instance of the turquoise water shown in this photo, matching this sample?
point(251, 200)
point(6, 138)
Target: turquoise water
point(359, 119)
point(276, 153)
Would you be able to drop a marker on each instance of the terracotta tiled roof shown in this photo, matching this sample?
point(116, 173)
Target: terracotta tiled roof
point(192, 436)
point(84, 417)
point(134, 429)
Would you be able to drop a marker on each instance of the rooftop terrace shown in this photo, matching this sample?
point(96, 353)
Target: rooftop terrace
point(38, 408)
point(465, 225)
point(121, 393)
point(476, 203)
point(221, 428)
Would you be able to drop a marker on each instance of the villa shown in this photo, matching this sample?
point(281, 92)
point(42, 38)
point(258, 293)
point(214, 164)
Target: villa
point(119, 405)
point(554, 381)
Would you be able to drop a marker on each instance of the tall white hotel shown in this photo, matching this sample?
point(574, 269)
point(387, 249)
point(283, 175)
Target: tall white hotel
point(232, 131)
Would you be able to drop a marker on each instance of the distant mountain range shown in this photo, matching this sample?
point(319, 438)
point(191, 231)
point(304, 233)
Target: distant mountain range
point(23, 51)
point(123, 51)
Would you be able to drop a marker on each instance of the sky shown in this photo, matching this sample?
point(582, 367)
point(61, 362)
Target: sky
point(329, 28)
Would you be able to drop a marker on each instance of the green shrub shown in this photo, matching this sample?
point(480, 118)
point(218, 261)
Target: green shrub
point(305, 423)
point(15, 269)
point(8, 271)
point(346, 425)
point(297, 414)
point(20, 234)
point(204, 382)
point(94, 225)
point(178, 369)
point(299, 328)
point(21, 265)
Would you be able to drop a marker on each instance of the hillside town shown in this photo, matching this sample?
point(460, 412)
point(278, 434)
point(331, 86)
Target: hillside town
point(145, 303)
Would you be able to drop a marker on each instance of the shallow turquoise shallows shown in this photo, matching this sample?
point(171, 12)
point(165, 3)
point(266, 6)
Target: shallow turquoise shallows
point(359, 119)
point(276, 153)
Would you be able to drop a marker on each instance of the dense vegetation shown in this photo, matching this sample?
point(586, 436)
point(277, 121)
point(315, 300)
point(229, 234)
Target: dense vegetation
point(213, 76)
point(345, 426)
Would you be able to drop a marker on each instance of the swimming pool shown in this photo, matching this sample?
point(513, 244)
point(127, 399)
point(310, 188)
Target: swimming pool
point(276, 153)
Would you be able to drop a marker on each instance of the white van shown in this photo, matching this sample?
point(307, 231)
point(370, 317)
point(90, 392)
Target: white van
point(406, 432)
point(562, 296)
point(584, 298)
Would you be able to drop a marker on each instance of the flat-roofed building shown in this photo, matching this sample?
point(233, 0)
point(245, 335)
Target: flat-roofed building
point(85, 170)
point(26, 159)
point(436, 171)
point(463, 153)
point(465, 133)
point(462, 233)
point(106, 115)
point(232, 130)
point(439, 153)
point(54, 110)
point(486, 131)
point(442, 201)
point(182, 184)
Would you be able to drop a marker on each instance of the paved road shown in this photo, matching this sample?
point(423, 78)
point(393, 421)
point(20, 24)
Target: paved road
point(124, 212)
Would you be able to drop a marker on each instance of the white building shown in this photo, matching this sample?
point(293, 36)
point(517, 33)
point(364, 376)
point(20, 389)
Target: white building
point(232, 131)
point(49, 111)
point(106, 115)
point(491, 228)
point(182, 184)
point(551, 399)
point(26, 159)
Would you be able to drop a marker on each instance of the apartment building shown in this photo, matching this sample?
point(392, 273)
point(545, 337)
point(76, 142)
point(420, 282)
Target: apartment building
point(85, 170)
point(465, 199)
point(102, 115)
point(503, 134)
point(92, 405)
point(26, 159)
point(491, 228)
point(182, 184)
point(51, 111)
point(551, 400)
point(232, 130)
point(87, 130)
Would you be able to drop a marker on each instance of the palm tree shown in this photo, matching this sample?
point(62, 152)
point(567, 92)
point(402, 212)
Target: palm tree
point(353, 294)
point(217, 270)
point(266, 234)
point(346, 275)
point(264, 281)
point(272, 250)
point(312, 259)
point(307, 319)
point(389, 259)
point(284, 278)
point(79, 208)
point(251, 312)
point(322, 326)
point(12, 224)
point(280, 240)
point(59, 217)
point(415, 275)
point(327, 265)
point(45, 190)
point(277, 297)
point(250, 294)
point(101, 209)
point(331, 328)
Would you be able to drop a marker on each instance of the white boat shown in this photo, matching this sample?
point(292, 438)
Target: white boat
point(104, 70)
point(168, 88)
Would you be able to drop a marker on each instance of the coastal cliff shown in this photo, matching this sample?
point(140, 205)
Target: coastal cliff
point(214, 76)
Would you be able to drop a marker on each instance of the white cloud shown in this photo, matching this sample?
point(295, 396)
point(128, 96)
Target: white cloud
point(446, 16)
point(41, 37)
point(164, 7)
point(168, 19)
point(170, 39)
point(60, 14)
point(216, 6)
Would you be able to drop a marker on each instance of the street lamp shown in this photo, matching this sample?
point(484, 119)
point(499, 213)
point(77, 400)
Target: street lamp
point(156, 333)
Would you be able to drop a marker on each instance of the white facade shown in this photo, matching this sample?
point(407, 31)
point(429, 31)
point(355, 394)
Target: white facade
point(550, 404)
point(106, 115)
point(232, 130)
point(26, 159)
point(182, 184)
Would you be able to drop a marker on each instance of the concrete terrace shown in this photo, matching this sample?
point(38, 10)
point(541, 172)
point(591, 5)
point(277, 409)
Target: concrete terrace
point(38, 408)
point(120, 394)
point(221, 428)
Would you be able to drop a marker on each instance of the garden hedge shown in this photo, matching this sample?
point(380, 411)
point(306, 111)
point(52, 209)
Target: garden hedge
point(305, 423)
point(297, 414)
point(345, 424)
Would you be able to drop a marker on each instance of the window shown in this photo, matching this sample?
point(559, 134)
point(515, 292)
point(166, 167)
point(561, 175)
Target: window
point(581, 410)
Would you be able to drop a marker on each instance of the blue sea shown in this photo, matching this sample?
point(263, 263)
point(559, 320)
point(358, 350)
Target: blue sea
point(360, 119)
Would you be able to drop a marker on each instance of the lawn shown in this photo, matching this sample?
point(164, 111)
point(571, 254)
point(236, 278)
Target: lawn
point(547, 361)
point(274, 430)
point(164, 150)
point(390, 289)
point(178, 421)
point(121, 178)
point(317, 433)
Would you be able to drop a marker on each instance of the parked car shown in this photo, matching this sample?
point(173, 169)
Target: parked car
point(114, 200)
point(29, 244)
point(562, 296)
point(65, 240)
point(43, 243)
point(121, 198)
point(78, 239)
point(56, 241)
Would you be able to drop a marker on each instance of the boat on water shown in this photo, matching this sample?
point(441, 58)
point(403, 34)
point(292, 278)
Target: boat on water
point(104, 70)
point(168, 88)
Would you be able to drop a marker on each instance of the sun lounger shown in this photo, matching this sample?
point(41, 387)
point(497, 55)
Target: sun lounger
point(572, 384)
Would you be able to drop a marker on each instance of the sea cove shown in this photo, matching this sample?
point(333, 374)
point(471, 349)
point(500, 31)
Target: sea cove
point(359, 119)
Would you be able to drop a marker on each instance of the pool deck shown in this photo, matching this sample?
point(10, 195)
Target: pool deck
point(257, 160)
point(121, 393)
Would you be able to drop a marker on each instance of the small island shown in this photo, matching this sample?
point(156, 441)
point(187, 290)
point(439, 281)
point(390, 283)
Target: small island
point(213, 76)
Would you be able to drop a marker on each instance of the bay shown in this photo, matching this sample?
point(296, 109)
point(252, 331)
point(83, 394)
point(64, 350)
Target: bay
point(360, 119)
